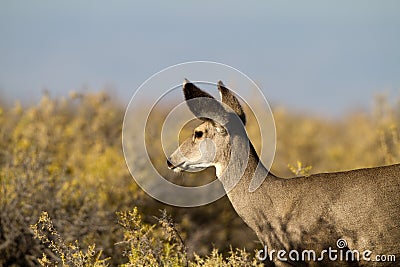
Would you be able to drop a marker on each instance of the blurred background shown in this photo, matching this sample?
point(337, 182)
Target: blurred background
point(325, 57)
point(330, 70)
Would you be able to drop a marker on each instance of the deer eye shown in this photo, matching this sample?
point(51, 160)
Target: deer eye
point(198, 134)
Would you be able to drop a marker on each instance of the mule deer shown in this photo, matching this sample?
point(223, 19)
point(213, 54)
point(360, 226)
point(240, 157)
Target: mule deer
point(302, 213)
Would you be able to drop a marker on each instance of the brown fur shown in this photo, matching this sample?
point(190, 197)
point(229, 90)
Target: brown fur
point(361, 206)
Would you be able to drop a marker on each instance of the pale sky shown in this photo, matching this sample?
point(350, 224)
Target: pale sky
point(320, 56)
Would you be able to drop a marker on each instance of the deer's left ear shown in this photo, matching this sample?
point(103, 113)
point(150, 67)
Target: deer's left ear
point(229, 99)
point(203, 105)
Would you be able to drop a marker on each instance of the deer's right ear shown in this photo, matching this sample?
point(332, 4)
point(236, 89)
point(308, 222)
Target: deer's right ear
point(203, 105)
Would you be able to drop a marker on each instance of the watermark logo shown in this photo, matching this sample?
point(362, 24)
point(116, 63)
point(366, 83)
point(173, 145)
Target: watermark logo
point(157, 113)
point(340, 253)
point(341, 243)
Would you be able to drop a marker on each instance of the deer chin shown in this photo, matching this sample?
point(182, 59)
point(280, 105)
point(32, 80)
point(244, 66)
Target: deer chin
point(195, 166)
point(188, 166)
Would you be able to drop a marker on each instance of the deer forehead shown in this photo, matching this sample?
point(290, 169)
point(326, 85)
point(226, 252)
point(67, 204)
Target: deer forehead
point(211, 130)
point(204, 127)
point(201, 128)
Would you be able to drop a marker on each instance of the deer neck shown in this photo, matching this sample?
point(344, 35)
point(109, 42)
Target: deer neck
point(243, 172)
point(246, 193)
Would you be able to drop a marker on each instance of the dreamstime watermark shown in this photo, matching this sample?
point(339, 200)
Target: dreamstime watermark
point(340, 253)
point(146, 128)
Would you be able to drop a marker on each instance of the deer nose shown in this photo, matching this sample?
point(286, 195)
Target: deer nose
point(170, 165)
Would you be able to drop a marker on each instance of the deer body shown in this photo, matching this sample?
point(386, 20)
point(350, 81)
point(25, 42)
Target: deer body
point(303, 213)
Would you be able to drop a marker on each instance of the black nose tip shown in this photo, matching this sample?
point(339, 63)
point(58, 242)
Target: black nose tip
point(170, 165)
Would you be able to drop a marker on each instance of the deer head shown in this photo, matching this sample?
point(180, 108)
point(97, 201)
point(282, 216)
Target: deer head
point(220, 139)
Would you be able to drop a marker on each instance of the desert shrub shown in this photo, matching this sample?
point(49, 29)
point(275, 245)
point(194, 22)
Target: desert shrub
point(235, 258)
point(62, 156)
point(147, 245)
point(143, 245)
point(359, 139)
point(59, 251)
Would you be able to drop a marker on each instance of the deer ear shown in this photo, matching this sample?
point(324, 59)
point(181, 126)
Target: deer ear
point(192, 91)
point(229, 99)
point(203, 105)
